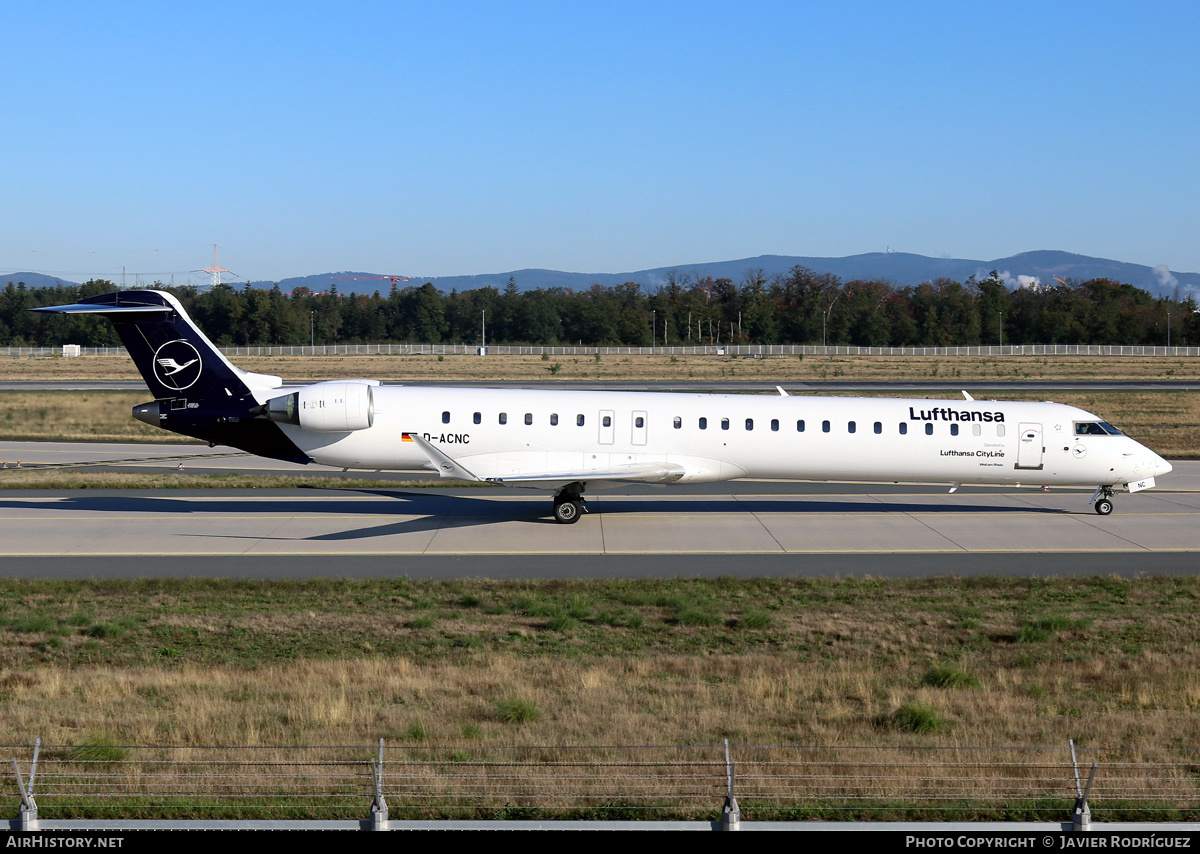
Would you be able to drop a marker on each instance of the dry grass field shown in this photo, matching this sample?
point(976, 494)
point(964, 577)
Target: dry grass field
point(77, 416)
point(449, 369)
point(1111, 663)
point(1000, 661)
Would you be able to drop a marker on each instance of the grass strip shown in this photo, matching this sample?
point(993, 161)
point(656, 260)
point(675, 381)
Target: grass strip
point(453, 669)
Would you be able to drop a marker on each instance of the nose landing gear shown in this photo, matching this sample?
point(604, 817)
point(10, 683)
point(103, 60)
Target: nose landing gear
point(1104, 505)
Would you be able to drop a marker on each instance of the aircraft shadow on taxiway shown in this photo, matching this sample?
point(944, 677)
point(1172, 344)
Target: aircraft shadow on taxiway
point(437, 510)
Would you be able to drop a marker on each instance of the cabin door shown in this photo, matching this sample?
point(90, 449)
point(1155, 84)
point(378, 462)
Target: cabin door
point(607, 427)
point(1030, 448)
point(639, 428)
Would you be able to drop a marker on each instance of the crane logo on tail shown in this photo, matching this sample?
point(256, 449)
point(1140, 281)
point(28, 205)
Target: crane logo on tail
point(177, 365)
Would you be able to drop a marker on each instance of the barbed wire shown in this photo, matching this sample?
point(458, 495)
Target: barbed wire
point(742, 350)
point(436, 779)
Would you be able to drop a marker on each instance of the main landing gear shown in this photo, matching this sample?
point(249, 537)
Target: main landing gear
point(568, 507)
point(1103, 500)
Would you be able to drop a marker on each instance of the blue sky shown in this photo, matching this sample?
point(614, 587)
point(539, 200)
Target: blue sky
point(455, 138)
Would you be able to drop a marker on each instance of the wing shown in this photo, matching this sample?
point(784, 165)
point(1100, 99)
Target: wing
point(637, 473)
point(634, 473)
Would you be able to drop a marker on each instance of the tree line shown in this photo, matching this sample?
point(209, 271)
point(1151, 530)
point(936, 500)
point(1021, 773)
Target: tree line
point(798, 307)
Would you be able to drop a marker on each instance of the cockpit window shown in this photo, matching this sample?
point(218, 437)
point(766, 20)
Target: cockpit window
point(1095, 428)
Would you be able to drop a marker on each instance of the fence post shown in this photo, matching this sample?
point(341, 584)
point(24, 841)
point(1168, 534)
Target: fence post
point(731, 816)
point(28, 814)
point(379, 810)
point(1081, 815)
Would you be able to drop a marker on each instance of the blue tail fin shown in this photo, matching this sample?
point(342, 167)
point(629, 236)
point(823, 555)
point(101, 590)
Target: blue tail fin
point(174, 357)
point(197, 391)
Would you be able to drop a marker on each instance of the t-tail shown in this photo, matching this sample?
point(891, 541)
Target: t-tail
point(197, 391)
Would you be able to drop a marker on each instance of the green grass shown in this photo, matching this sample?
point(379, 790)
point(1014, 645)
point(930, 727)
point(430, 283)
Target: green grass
point(97, 748)
point(517, 711)
point(918, 718)
point(562, 622)
point(755, 620)
point(33, 623)
point(696, 614)
point(251, 623)
point(949, 676)
point(1049, 628)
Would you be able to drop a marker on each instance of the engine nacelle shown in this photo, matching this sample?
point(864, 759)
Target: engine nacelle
point(328, 407)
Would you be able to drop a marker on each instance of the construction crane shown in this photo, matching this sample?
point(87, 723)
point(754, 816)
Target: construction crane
point(392, 279)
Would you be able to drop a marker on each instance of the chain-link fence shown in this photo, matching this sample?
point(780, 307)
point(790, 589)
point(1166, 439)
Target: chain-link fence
point(762, 351)
point(672, 782)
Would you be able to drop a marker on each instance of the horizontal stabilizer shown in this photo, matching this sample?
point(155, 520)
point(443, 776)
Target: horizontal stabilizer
point(106, 310)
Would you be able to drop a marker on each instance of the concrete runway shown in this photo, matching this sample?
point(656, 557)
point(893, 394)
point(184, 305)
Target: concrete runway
point(739, 528)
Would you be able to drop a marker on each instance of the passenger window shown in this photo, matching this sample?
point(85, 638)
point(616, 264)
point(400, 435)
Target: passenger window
point(528, 417)
point(477, 417)
point(503, 417)
point(678, 422)
point(851, 427)
point(554, 419)
point(800, 426)
point(824, 426)
point(749, 423)
point(999, 429)
point(607, 421)
point(724, 423)
point(578, 420)
point(976, 429)
point(878, 426)
point(445, 417)
point(903, 428)
point(953, 429)
point(929, 429)
point(639, 422)
point(703, 423)
point(775, 425)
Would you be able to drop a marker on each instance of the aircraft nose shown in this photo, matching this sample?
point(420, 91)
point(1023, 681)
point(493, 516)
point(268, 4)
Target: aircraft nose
point(1160, 466)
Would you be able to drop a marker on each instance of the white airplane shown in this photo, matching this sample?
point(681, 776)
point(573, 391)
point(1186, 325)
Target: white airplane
point(569, 441)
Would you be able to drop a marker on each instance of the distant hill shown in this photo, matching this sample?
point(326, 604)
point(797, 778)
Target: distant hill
point(34, 280)
point(901, 268)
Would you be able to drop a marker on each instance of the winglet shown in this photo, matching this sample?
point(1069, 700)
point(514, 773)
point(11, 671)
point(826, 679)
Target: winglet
point(782, 393)
point(446, 467)
point(967, 396)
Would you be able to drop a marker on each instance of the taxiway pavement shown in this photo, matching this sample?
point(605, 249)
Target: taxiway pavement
point(739, 528)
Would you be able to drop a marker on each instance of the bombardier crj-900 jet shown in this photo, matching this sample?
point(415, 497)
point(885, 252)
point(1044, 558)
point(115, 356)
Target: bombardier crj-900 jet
point(570, 441)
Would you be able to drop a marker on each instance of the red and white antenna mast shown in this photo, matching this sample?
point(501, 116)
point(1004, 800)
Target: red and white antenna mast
point(216, 269)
